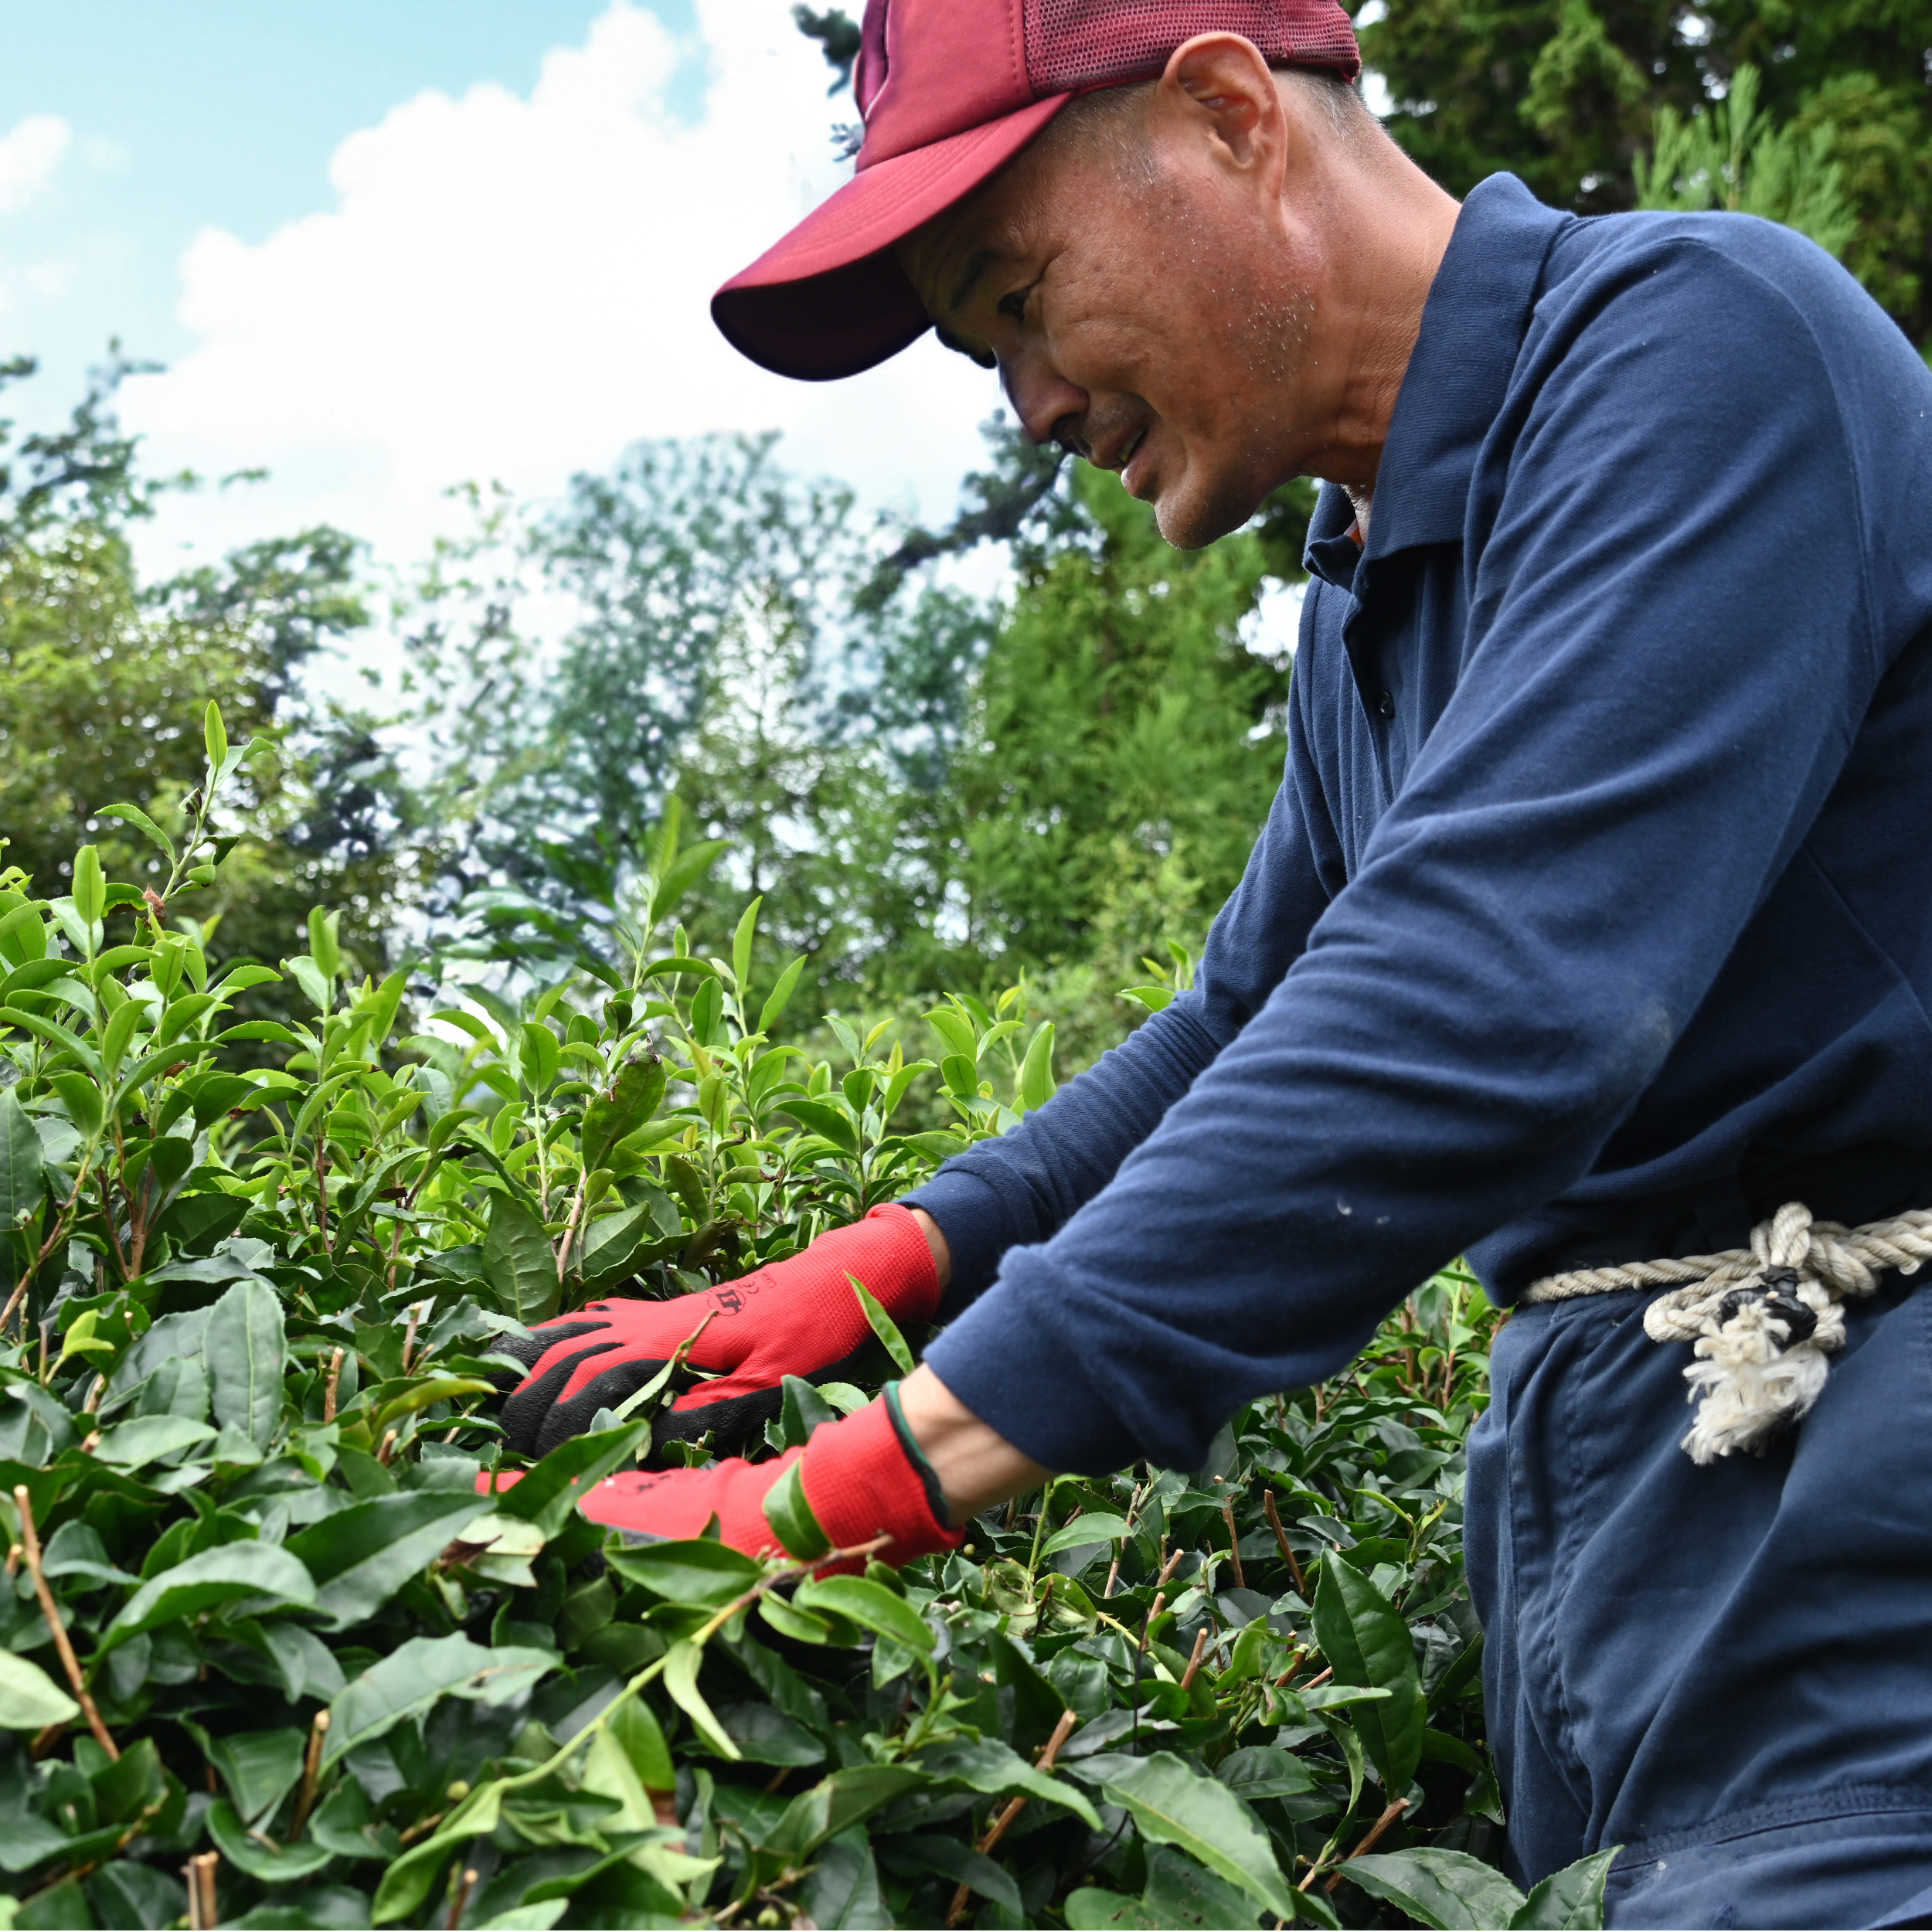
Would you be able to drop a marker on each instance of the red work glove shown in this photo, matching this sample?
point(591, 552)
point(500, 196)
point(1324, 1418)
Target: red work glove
point(796, 1317)
point(863, 1476)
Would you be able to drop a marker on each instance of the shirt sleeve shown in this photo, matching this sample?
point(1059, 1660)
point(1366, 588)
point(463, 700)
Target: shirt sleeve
point(1016, 1190)
point(1665, 668)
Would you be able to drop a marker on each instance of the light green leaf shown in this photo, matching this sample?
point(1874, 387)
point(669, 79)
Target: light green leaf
point(681, 1680)
point(1448, 1890)
point(780, 997)
point(134, 815)
point(215, 736)
point(547, 1494)
point(790, 1516)
point(1037, 1085)
point(1172, 1805)
point(884, 1326)
point(90, 886)
point(741, 941)
point(1363, 1637)
point(1096, 1528)
point(30, 1700)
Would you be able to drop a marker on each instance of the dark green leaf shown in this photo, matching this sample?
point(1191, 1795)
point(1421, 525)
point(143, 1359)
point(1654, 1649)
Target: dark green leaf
point(1173, 1805)
point(546, 1494)
point(243, 1349)
point(1571, 1900)
point(701, 1573)
point(23, 1182)
point(1366, 1642)
point(361, 1555)
point(517, 1262)
point(415, 1675)
point(219, 1576)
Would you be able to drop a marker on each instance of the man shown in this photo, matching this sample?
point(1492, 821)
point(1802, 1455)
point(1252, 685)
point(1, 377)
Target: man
point(1592, 923)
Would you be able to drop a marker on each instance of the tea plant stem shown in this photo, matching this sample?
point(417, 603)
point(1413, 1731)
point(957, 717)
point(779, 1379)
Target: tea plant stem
point(203, 1912)
point(335, 1378)
point(1119, 1549)
point(409, 1333)
point(1194, 1663)
point(997, 1830)
point(311, 1770)
point(30, 1542)
point(321, 1195)
point(1281, 1537)
point(462, 1897)
point(1370, 1839)
point(1234, 1542)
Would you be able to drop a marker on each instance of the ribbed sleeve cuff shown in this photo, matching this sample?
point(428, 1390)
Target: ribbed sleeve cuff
point(978, 1228)
point(1009, 1359)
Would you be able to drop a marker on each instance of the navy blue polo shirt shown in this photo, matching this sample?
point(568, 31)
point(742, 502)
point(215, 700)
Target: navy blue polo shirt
point(1594, 914)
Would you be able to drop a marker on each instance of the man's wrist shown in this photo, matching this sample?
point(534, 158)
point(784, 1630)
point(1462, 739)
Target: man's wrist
point(976, 1465)
point(936, 1240)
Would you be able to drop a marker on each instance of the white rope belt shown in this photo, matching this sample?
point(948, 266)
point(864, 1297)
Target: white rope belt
point(1763, 1319)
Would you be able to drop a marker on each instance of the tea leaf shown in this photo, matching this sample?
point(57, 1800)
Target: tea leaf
point(1446, 1889)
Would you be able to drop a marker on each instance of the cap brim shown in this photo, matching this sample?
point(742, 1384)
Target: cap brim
point(830, 300)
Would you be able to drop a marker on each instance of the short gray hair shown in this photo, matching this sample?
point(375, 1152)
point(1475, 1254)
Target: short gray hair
point(1101, 116)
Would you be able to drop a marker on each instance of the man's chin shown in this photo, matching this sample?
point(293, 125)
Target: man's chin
point(1191, 519)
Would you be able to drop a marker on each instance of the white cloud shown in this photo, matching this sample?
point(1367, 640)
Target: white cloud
point(29, 156)
point(512, 289)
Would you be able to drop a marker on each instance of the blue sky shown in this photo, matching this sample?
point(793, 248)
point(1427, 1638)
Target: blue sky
point(386, 245)
point(219, 113)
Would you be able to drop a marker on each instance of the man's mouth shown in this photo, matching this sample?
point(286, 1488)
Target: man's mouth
point(1133, 471)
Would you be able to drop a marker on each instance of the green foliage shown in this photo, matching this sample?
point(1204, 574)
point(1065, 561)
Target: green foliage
point(1729, 156)
point(247, 1363)
point(1569, 95)
point(98, 670)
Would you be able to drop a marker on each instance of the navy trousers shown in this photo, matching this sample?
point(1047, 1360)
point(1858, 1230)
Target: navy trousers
point(1727, 1670)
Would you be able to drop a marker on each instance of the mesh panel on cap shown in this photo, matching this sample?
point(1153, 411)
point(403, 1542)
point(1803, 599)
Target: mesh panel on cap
point(1083, 43)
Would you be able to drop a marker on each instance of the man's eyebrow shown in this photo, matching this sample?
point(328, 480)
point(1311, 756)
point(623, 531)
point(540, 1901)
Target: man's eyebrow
point(977, 265)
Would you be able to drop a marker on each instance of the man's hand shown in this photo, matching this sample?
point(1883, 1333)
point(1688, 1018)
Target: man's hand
point(797, 1318)
point(863, 1477)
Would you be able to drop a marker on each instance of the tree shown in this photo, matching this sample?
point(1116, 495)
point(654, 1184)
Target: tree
point(102, 680)
point(1566, 94)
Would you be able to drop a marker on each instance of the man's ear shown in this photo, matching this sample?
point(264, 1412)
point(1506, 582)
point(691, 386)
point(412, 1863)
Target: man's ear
point(1218, 84)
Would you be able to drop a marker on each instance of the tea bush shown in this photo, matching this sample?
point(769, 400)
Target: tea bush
point(271, 1659)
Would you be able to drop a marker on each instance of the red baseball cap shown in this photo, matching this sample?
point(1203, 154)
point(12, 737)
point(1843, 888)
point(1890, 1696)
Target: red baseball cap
point(950, 91)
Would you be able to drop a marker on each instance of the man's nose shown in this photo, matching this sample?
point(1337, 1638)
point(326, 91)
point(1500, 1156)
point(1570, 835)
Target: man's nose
point(1047, 405)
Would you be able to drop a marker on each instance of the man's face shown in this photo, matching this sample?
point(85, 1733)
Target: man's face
point(1143, 307)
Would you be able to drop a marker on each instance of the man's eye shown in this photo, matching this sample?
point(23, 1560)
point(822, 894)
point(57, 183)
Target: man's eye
point(1014, 306)
point(984, 357)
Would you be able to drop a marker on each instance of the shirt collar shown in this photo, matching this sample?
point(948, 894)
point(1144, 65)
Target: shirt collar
point(1473, 327)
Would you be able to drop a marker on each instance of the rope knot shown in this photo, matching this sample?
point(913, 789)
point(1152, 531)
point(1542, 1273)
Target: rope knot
point(1761, 1321)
